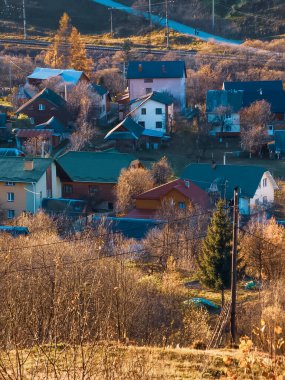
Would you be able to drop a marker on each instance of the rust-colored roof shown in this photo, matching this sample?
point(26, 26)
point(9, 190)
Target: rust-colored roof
point(30, 133)
point(186, 187)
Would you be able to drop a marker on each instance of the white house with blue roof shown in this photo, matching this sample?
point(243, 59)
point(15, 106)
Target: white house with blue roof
point(145, 77)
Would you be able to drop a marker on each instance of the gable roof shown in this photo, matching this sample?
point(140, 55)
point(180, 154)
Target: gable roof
point(193, 192)
point(217, 98)
point(226, 177)
point(46, 94)
point(265, 85)
point(134, 131)
point(52, 123)
point(12, 169)
point(160, 97)
point(30, 133)
point(156, 69)
point(69, 75)
point(99, 89)
point(102, 167)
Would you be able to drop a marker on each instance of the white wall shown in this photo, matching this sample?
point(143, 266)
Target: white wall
point(233, 121)
point(175, 86)
point(150, 118)
point(263, 191)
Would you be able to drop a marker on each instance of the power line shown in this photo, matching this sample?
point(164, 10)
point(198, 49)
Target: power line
point(70, 263)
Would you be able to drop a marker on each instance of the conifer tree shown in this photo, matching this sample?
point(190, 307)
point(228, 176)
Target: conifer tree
point(78, 55)
point(58, 54)
point(215, 257)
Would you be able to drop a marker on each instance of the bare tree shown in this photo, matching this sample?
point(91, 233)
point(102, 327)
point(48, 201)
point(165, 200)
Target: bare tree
point(161, 171)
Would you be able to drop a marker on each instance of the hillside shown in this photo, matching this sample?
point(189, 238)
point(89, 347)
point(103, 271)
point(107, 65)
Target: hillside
point(234, 18)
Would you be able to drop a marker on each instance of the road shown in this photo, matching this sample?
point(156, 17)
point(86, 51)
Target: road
point(177, 26)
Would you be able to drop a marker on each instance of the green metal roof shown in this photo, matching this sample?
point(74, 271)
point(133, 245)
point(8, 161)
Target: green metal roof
point(12, 169)
point(226, 177)
point(133, 131)
point(46, 94)
point(217, 98)
point(102, 167)
point(156, 69)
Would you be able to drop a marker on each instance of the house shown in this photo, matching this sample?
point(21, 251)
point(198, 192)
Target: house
point(45, 105)
point(145, 77)
point(102, 101)
point(126, 134)
point(50, 134)
point(24, 183)
point(222, 108)
point(236, 95)
point(92, 176)
point(67, 76)
point(256, 184)
point(277, 147)
point(183, 193)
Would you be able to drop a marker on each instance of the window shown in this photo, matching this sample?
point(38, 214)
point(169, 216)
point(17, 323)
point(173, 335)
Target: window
point(264, 182)
point(270, 127)
point(67, 189)
point(143, 112)
point(148, 90)
point(265, 200)
point(10, 214)
point(10, 197)
point(181, 205)
point(110, 205)
point(256, 202)
point(92, 189)
point(158, 111)
point(142, 123)
point(42, 107)
point(148, 80)
point(10, 184)
point(158, 124)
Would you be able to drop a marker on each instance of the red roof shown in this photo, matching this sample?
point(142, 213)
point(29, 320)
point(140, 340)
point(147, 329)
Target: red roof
point(194, 193)
point(30, 133)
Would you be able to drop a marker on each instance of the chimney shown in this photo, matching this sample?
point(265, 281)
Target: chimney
point(163, 69)
point(140, 67)
point(29, 164)
point(187, 183)
point(260, 91)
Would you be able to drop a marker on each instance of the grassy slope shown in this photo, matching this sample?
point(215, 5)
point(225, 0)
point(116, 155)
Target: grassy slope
point(93, 18)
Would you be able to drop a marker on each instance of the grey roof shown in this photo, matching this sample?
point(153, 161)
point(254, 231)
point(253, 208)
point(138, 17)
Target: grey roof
point(217, 98)
point(12, 169)
point(160, 97)
point(70, 207)
point(156, 69)
point(130, 227)
point(226, 177)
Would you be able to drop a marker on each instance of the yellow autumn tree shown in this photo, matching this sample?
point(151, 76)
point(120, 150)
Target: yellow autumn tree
point(78, 54)
point(58, 54)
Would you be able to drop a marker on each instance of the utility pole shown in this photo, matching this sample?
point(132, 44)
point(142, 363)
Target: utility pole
point(234, 266)
point(166, 24)
point(149, 12)
point(213, 15)
point(111, 20)
point(24, 20)
point(10, 75)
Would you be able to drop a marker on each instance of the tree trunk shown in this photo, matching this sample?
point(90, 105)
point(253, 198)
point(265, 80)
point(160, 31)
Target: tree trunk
point(223, 297)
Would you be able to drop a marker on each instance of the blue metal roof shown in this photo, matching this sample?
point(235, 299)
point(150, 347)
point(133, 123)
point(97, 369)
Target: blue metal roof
point(156, 69)
point(153, 133)
point(68, 75)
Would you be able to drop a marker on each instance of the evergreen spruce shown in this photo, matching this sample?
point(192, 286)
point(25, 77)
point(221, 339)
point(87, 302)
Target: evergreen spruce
point(215, 257)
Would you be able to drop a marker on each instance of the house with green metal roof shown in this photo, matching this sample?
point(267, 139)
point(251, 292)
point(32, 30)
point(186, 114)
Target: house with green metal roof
point(145, 77)
point(24, 183)
point(92, 176)
point(45, 105)
point(256, 184)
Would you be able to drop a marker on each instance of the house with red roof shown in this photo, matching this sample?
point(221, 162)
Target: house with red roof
point(183, 193)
